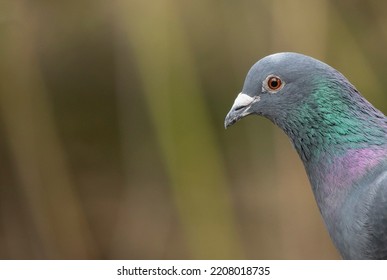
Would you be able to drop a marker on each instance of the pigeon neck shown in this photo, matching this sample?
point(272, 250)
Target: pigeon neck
point(339, 137)
point(332, 175)
point(335, 180)
point(333, 119)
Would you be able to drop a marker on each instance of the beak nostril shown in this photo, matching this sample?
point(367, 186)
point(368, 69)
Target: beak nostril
point(239, 108)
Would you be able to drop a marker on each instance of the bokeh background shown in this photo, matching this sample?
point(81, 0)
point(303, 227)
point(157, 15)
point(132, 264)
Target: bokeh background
point(112, 143)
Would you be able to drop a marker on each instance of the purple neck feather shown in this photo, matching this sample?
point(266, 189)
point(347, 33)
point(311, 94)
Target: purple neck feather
point(353, 165)
point(333, 177)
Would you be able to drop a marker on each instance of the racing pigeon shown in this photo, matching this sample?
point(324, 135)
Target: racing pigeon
point(340, 137)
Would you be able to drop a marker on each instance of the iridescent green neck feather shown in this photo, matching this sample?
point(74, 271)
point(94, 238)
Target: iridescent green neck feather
point(333, 118)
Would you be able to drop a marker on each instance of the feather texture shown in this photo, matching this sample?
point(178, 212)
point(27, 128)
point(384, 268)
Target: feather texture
point(340, 137)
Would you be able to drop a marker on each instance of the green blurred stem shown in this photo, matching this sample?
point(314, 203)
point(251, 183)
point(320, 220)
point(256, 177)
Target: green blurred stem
point(52, 204)
point(183, 127)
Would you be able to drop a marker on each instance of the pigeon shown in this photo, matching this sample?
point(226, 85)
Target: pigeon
point(340, 137)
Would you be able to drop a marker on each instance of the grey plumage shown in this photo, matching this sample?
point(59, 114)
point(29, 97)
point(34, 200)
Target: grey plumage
point(340, 137)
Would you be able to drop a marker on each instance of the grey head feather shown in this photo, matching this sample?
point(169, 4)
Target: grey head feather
point(340, 137)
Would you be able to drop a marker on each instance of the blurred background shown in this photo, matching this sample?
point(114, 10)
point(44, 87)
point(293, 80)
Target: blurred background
point(112, 143)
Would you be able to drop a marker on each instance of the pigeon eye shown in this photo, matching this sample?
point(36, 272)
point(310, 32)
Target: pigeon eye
point(274, 83)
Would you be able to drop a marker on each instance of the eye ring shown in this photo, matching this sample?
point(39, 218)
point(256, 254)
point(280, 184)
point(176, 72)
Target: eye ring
point(273, 83)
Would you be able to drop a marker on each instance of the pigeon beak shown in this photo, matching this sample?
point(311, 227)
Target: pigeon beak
point(240, 108)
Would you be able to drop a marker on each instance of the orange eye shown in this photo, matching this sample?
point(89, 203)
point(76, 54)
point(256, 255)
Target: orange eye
point(274, 83)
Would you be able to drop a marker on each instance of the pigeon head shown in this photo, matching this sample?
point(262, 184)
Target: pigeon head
point(276, 85)
point(340, 137)
point(314, 104)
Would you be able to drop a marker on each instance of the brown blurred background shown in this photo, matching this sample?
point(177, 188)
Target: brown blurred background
point(112, 143)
